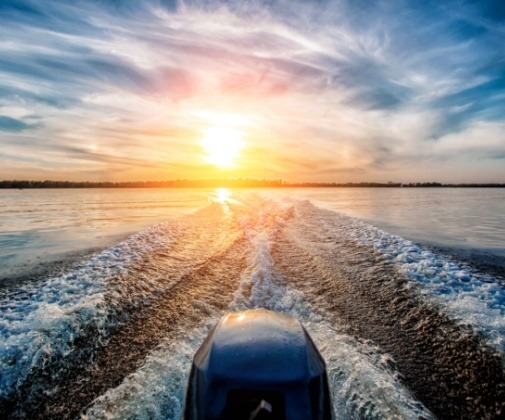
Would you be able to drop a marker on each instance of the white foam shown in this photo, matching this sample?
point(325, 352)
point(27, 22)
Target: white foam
point(40, 322)
point(362, 382)
point(471, 298)
point(157, 389)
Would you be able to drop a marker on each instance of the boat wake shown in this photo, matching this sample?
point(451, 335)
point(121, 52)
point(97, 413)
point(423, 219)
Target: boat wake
point(405, 333)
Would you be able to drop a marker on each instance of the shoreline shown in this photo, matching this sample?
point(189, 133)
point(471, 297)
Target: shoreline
point(232, 183)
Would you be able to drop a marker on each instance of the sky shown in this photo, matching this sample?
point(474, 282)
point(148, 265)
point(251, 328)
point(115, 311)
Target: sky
point(316, 91)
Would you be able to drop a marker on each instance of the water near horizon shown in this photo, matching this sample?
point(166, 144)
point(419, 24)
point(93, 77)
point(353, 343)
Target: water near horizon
point(48, 224)
point(401, 290)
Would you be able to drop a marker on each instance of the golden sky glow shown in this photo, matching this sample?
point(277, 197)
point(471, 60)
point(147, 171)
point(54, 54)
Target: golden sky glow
point(334, 91)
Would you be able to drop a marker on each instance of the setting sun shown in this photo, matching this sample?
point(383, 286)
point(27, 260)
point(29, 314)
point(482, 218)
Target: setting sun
point(222, 146)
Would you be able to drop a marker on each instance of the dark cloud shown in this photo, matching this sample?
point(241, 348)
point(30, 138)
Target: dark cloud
point(13, 124)
point(76, 152)
point(481, 102)
point(371, 84)
point(56, 99)
point(499, 155)
point(76, 71)
point(59, 17)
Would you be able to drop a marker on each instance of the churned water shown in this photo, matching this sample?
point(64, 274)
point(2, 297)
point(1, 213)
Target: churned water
point(406, 331)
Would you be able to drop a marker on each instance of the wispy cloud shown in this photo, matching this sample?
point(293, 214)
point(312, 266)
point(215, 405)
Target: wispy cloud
point(334, 90)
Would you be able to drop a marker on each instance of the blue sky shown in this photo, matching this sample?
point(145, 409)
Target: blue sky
point(319, 90)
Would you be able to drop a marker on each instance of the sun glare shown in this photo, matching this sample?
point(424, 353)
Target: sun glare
point(222, 146)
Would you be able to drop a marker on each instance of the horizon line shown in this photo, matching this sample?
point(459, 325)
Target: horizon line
point(229, 183)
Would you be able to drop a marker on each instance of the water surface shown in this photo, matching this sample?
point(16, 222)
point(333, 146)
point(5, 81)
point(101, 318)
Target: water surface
point(50, 223)
point(467, 218)
point(406, 332)
point(47, 224)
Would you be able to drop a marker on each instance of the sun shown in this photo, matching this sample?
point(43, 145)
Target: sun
point(222, 145)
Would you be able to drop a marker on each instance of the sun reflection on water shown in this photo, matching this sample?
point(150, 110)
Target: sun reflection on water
point(223, 197)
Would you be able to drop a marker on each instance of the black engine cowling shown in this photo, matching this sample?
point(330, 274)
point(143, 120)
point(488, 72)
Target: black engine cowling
point(258, 364)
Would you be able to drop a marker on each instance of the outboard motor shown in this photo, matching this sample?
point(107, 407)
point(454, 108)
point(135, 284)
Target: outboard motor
point(258, 364)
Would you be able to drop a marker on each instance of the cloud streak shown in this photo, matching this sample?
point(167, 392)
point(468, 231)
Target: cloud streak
point(332, 90)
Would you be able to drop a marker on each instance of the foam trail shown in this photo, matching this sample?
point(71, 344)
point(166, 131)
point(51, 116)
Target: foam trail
point(473, 298)
point(40, 322)
point(169, 285)
point(157, 389)
point(362, 381)
point(469, 297)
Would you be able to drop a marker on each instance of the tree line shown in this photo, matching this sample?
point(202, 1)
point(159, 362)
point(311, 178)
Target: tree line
point(228, 183)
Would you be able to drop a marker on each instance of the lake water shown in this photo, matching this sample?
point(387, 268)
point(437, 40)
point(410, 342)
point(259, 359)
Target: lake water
point(471, 220)
point(48, 224)
point(409, 325)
